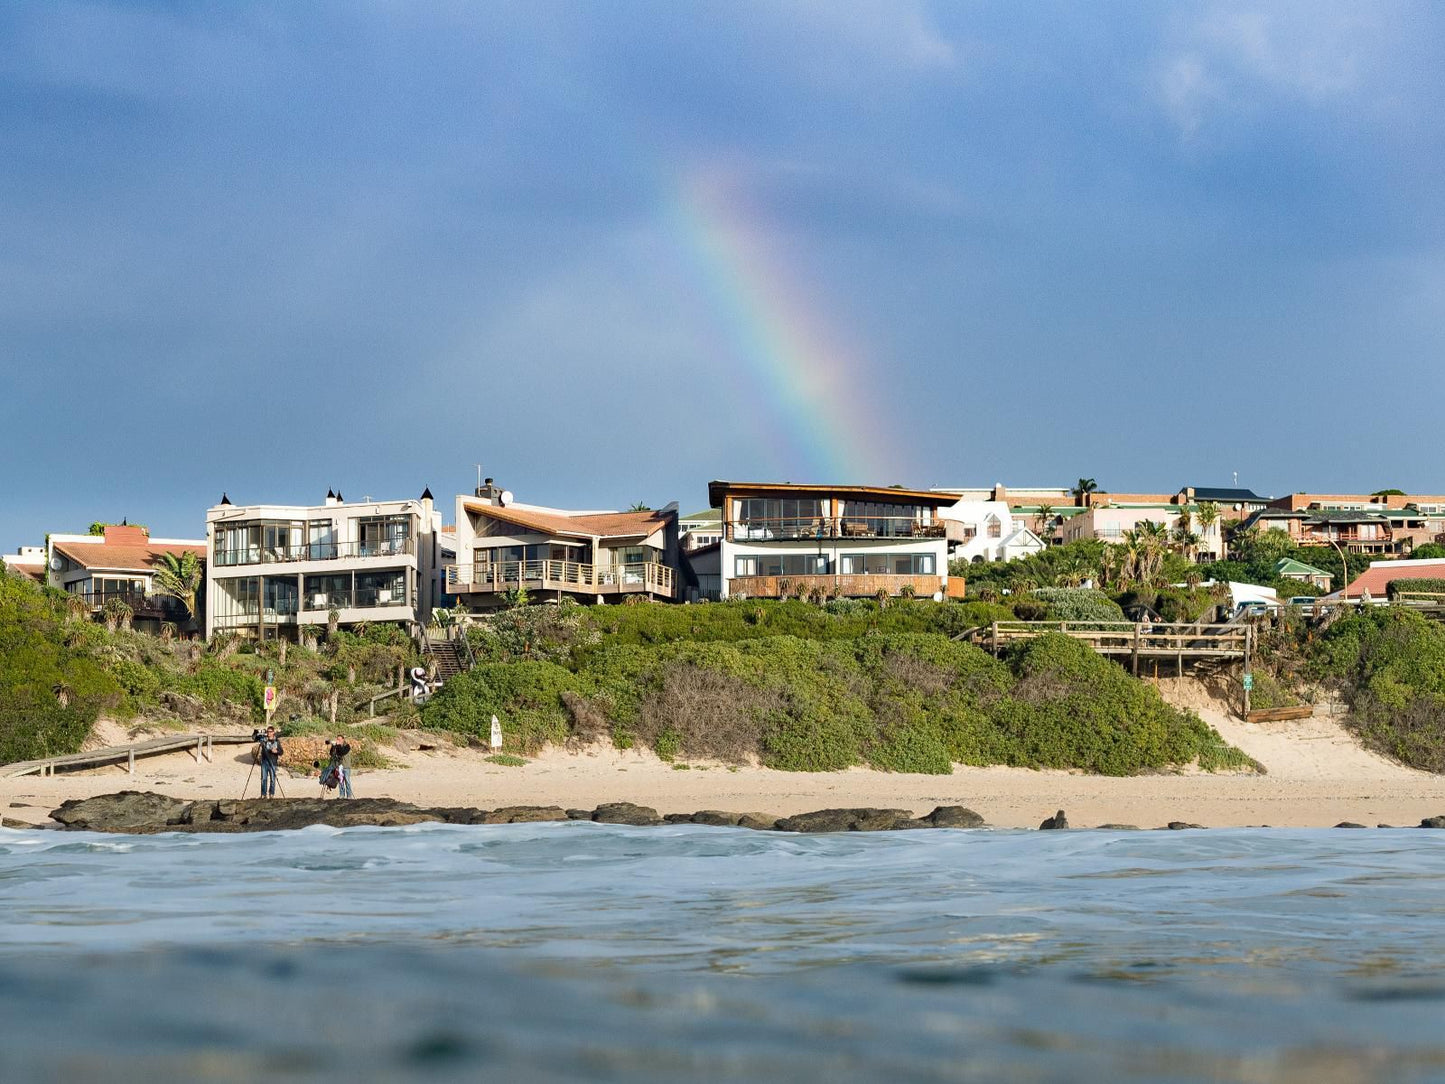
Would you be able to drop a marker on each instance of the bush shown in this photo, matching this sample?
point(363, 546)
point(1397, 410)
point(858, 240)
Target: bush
point(1422, 586)
point(1078, 604)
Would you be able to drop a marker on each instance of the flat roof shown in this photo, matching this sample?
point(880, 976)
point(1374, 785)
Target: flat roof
point(717, 490)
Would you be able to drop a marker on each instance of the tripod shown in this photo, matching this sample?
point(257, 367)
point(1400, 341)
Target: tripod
point(255, 758)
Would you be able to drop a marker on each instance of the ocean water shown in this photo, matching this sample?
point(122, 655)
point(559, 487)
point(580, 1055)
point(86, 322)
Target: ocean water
point(581, 951)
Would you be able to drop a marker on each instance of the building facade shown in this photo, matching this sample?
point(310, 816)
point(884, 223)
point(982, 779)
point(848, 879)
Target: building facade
point(119, 564)
point(552, 553)
point(273, 568)
point(849, 541)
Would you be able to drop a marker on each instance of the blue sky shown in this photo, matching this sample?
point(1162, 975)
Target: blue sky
point(269, 249)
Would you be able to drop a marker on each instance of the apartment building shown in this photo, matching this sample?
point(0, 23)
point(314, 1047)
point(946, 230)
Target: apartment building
point(593, 557)
point(273, 568)
point(781, 539)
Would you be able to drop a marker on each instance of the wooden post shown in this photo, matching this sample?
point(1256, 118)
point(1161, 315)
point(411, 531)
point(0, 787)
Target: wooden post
point(995, 637)
point(200, 743)
point(1136, 650)
point(130, 766)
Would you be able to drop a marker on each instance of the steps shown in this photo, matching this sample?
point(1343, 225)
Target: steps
point(449, 662)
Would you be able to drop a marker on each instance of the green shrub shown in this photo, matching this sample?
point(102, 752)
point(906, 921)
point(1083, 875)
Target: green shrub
point(1421, 586)
point(1078, 604)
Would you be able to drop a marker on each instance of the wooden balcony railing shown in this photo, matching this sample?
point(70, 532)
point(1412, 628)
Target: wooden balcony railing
point(846, 585)
point(494, 577)
point(769, 530)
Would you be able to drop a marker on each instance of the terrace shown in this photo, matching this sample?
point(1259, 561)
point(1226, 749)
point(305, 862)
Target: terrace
point(495, 577)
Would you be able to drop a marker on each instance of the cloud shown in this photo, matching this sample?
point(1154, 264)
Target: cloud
point(1231, 58)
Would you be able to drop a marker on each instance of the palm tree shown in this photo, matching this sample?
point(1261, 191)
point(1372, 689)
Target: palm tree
point(1084, 488)
point(640, 506)
point(1207, 513)
point(179, 577)
point(1045, 521)
point(76, 608)
point(118, 614)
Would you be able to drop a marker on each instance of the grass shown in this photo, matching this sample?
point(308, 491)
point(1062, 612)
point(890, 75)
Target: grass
point(507, 760)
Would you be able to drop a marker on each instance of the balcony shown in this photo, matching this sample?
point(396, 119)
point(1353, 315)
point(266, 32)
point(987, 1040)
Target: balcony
point(494, 577)
point(848, 527)
point(865, 585)
point(361, 598)
point(314, 551)
point(141, 604)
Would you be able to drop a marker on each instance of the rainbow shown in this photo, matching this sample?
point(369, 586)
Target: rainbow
point(822, 417)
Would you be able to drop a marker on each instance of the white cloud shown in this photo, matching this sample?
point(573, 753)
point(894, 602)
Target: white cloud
point(1228, 58)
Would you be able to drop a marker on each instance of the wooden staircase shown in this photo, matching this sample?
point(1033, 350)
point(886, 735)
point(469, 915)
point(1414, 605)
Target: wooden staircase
point(448, 659)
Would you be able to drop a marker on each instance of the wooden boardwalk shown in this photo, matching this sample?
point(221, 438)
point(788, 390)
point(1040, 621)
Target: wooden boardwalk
point(1178, 641)
point(200, 744)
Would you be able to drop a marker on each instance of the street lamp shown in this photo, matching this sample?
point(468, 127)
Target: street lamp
point(1345, 566)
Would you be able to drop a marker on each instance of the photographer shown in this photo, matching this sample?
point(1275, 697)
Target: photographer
point(340, 751)
point(270, 754)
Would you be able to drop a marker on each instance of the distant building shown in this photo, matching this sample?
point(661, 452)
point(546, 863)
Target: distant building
point(980, 531)
point(1287, 568)
point(119, 564)
point(700, 529)
point(781, 539)
point(273, 568)
point(27, 561)
point(589, 556)
point(1377, 578)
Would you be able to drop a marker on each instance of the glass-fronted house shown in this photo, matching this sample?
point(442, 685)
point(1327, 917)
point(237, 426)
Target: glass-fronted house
point(780, 540)
point(273, 568)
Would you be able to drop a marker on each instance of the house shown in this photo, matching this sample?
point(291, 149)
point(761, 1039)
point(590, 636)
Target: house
point(595, 557)
point(1233, 503)
point(700, 529)
point(979, 531)
point(120, 563)
point(272, 568)
point(1376, 579)
point(1358, 532)
point(781, 539)
point(1287, 568)
point(1414, 519)
point(27, 561)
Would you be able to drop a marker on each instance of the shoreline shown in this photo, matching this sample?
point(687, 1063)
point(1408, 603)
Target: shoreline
point(1004, 797)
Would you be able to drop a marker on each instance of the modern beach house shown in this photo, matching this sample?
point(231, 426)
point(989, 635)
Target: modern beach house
point(554, 553)
point(273, 568)
point(120, 563)
point(782, 539)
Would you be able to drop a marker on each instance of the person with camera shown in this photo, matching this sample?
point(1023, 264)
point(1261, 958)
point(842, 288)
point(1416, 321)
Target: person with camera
point(270, 754)
point(340, 752)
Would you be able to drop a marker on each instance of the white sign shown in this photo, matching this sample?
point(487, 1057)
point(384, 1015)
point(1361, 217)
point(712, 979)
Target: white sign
point(496, 733)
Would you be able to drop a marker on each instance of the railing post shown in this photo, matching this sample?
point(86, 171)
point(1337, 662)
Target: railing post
point(1136, 650)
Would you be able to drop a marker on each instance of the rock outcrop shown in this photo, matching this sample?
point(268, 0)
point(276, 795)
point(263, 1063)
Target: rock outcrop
point(128, 811)
point(847, 820)
point(1057, 821)
point(625, 813)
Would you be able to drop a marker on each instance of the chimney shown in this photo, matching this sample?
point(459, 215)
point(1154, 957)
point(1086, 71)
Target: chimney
point(488, 491)
point(122, 534)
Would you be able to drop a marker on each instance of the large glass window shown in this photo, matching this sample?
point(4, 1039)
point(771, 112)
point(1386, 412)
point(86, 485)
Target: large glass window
point(280, 595)
point(324, 592)
point(321, 540)
point(381, 588)
point(782, 564)
point(382, 536)
point(883, 520)
point(257, 542)
point(888, 564)
point(760, 517)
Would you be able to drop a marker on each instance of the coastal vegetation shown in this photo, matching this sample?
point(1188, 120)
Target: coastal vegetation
point(802, 687)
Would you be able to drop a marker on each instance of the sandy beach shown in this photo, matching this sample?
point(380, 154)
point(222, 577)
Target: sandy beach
point(1317, 776)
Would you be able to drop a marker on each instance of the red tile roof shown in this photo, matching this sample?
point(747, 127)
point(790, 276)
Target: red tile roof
point(598, 525)
point(127, 558)
point(1378, 576)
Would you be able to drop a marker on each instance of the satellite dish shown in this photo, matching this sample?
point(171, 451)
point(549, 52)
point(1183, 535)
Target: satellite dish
point(56, 564)
point(506, 497)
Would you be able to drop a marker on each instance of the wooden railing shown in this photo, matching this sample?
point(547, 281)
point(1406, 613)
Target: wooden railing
point(493, 577)
point(768, 530)
point(864, 585)
point(1142, 640)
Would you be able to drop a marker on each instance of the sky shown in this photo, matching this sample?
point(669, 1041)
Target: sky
point(612, 251)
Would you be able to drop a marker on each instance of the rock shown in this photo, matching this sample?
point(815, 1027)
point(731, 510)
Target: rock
point(19, 805)
point(185, 707)
point(1120, 827)
point(127, 811)
point(1176, 826)
point(1057, 821)
point(1384, 826)
point(625, 813)
point(846, 820)
point(1348, 824)
point(524, 814)
point(951, 816)
point(579, 814)
point(677, 818)
point(715, 817)
point(1433, 822)
point(759, 822)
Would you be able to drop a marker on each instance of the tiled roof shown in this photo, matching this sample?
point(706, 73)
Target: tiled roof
point(1376, 579)
point(128, 558)
point(1288, 566)
point(595, 525)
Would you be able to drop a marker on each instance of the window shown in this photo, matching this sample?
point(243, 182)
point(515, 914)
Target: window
point(381, 588)
point(324, 592)
point(760, 517)
point(280, 596)
point(783, 564)
point(888, 564)
point(321, 538)
point(995, 530)
point(883, 520)
point(382, 536)
point(253, 543)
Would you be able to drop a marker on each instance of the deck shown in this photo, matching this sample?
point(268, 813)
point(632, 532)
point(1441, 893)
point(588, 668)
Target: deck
point(646, 577)
point(200, 744)
point(1180, 642)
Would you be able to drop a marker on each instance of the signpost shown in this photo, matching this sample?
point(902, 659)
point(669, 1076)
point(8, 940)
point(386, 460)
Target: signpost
point(1248, 687)
point(496, 735)
point(269, 696)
